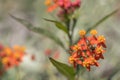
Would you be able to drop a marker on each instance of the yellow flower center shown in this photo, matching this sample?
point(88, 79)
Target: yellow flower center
point(101, 38)
point(8, 51)
point(71, 59)
point(17, 55)
point(48, 2)
point(99, 50)
point(76, 47)
point(85, 64)
point(19, 48)
point(5, 60)
point(82, 33)
point(93, 32)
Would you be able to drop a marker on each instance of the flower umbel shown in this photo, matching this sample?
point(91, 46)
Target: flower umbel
point(66, 7)
point(88, 50)
point(11, 57)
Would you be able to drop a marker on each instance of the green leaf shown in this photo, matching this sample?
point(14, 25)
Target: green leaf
point(39, 30)
point(59, 25)
point(64, 69)
point(102, 20)
point(115, 70)
point(99, 22)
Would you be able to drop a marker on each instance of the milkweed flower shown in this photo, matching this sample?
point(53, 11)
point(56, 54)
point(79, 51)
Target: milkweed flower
point(88, 50)
point(11, 57)
point(66, 7)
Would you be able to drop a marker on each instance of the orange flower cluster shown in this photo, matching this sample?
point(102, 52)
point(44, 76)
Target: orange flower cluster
point(88, 50)
point(67, 7)
point(10, 57)
point(63, 4)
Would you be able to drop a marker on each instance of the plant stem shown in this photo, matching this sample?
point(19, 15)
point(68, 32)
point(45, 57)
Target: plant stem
point(73, 27)
point(70, 30)
point(77, 76)
point(69, 35)
point(18, 73)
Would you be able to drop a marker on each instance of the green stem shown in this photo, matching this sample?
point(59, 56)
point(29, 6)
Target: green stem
point(18, 74)
point(73, 27)
point(71, 31)
point(69, 35)
point(77, 76)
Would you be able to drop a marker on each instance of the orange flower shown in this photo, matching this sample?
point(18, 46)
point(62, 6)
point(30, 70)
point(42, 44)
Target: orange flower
point(82, 33)
point(74, 59)
point(7, 51)
point(101, 41)
point(92, 40)
point(88, 50)
point(83, 43)
point(51, 6)
point(90, 61)
point(63, 4)
point(19, 48)
point(76, 47)
point(93, 32)
point(11, 57)
point(48, 2)
point(7, 62)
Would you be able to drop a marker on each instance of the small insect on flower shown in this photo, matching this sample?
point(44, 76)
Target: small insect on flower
point(88, 50)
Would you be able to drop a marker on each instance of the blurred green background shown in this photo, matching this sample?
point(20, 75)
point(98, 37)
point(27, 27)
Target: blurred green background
point(14, 33)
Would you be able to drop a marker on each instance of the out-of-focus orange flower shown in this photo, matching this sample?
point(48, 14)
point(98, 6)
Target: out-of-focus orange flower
point(19, 48)
point(48, 2)
point(7, 51)
point(88, 50)
point(33, 57)
point(52, 53)
point(63, 4)
point(82, 33)
point(52, 5)
point(93, 32)
point(65, 8)
point(48, 52)
point(7, 62)
point(11, 57)
point(56, 55)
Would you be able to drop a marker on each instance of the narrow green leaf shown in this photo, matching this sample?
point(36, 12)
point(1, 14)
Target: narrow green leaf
point(102, 20)
point(39, 30)
point(64, 69)
point(115, 70)
point(99, 22)
point(59, 25)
